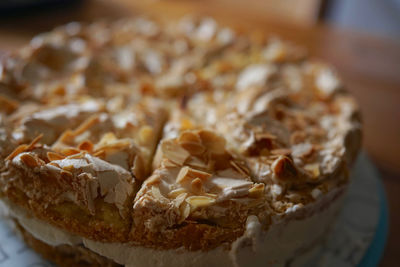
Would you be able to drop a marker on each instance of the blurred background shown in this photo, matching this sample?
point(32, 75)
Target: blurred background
point(361, 38)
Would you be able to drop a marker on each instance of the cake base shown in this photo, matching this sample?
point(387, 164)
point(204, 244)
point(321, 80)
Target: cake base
point(64, 255)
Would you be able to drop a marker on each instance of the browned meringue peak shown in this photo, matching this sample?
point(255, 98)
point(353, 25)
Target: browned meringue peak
point(52, 121)
point(198, 180)
point(51, 178)
point(127, 138)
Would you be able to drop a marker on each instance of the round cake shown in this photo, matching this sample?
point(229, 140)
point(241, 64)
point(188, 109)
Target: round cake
point(140, 143)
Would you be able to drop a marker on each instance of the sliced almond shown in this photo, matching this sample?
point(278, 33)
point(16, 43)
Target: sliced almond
point(176, 192)
point(189, 137)
point(193, 148)
point(54, 156)
point(200, 201)
point(69, 151)
point(17, 151)
point(174, 152)
point(69, 168)
point(197, 186)
point(86, 145)
point(185, 211)
point(214, 143)
point(107, 138)
point(256, 191)
point(240, 168)
point(187, 174)
point(284, 168)
point(87, 124)
point(313, 169)
point(29, 160)
point(179, 199)
point(156, 193)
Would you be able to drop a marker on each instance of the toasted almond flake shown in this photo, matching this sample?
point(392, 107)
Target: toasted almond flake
point(176, 192)
point(99, 153)
point(69, 151)
point(200, 201)
point(93, 120)
point(179, 199)
point(214, 143)
point(34, 142)
point(66, 174)
point(239, 168)
point(174, 152)
point(313, 169)
point(193, 148)
point(284, 168)
point(107, 138)
point(189, 137)
point(69, 168)
point(54, 156)
point(197, 186)
point(185, 211)
point(29, 160)
point(156, 193)
point(86, 145)
point(196, 163)
point(153, 180)
point(17, 151)
point(256, 191)
point(66, 137)
point(187, 174)
point(211, 195)
point(146, 135)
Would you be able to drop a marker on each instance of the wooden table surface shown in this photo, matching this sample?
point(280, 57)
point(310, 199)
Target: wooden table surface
point(370, 67)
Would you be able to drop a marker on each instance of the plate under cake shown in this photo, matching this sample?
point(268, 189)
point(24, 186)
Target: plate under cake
point(145, 143)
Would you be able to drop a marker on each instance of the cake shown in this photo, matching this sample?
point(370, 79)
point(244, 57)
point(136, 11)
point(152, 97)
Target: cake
point(144, 143)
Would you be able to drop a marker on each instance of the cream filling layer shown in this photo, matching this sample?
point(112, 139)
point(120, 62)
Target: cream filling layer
point(284, 239)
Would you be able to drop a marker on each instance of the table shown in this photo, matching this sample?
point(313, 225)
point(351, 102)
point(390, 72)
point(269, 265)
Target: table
point(369, 66)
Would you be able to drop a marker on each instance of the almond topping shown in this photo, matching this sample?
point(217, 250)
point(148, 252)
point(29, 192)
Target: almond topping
point(107, 138)
point(200, 201)
point(86, 145)
point(313, 169)
point(284, 168)
point(86, 125)
point(214, 143)
point(193, 148)
point(54, 156)
point(189, 137)
point(197, 186)
point(174, 152)
point(17, 151)
point(256, 191)
point(187, 174)
point(176, 192)
point(29, 160)
point(185, 211)
point(240, 168)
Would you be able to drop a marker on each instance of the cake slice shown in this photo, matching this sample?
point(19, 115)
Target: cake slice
point(199, 196)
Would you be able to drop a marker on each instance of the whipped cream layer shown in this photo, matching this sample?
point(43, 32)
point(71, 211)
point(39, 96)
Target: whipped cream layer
point(289, 235)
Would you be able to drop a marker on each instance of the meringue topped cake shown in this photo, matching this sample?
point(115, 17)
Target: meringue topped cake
point(140, 143)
